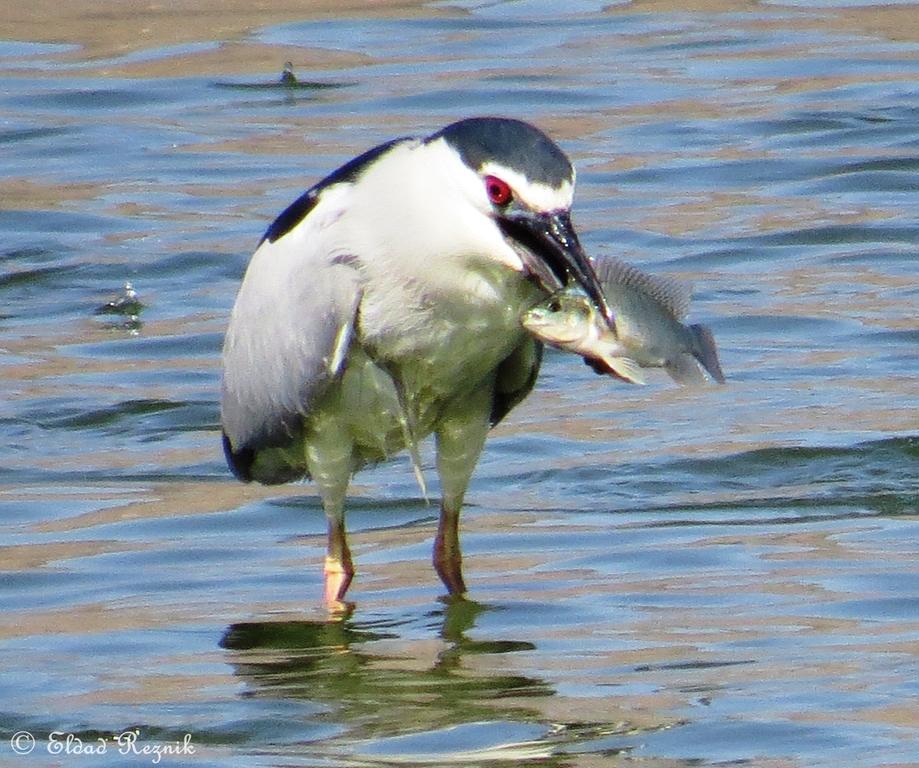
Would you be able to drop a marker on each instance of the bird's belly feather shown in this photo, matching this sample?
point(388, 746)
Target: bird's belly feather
point(443, 359)
point(397, 382)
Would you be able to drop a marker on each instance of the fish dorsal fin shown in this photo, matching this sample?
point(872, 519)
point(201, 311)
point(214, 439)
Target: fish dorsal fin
point(672, 294)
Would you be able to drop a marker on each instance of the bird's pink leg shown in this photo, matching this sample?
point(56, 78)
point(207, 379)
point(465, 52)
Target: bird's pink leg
point(448, 559)
point(329, 458)
point(339, 569)
point(460, 438)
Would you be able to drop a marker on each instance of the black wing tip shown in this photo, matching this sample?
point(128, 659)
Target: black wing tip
point(240, 462)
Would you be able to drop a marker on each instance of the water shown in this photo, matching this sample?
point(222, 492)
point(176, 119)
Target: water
point(658, 577)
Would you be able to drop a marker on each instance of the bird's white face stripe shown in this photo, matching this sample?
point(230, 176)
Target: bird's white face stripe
point(537, 196)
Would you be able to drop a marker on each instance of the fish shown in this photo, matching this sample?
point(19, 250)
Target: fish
point(647, 329)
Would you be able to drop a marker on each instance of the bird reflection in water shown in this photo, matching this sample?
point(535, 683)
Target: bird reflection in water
point(367, 688)
point(334, 664)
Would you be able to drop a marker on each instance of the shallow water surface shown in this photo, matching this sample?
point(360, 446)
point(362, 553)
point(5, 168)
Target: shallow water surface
point(658, 576)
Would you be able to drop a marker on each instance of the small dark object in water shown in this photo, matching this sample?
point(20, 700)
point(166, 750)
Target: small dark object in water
point(288, 81)
point(126, 304)
point(287, 76)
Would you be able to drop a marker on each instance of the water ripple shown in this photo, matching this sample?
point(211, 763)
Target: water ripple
point(668, 576)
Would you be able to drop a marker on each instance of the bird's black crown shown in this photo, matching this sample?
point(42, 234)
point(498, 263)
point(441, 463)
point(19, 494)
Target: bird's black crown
point(514, 144)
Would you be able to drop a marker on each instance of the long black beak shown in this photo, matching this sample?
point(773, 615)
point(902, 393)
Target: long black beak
point(552, 252)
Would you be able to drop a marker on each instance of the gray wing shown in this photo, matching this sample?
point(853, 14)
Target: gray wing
point(287, 339)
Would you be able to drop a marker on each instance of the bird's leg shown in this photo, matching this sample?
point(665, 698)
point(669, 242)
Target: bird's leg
point(339, 569)
point(460, 438)
point(448, 558)
point(330, 460)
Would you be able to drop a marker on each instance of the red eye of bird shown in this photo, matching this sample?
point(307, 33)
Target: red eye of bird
point(499, 191)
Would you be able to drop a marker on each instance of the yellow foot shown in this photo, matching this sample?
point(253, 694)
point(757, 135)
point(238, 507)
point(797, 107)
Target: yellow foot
point(339, 610)
point(338, 577)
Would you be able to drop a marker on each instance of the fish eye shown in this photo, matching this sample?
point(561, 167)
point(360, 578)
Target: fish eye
point(499, 191)
point(555, 305)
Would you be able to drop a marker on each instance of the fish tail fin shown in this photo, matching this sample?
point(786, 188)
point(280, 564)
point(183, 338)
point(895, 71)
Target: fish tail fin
point(625, 368)
point(704, 350)
point(684, 370)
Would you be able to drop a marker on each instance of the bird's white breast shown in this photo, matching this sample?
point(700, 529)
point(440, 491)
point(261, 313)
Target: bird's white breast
point(442, 292)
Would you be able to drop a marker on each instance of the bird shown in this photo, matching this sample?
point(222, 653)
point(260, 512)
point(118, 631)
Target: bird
point(383, 305)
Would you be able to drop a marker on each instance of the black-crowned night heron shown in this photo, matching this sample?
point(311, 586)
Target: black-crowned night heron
point(384, 305)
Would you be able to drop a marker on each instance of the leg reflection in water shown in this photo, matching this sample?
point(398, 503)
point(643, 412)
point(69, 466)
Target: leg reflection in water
point(378, 677)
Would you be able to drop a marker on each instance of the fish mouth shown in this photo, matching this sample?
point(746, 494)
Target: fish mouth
point(552, 253)
point(534, 321)
point(550, 329)
point(555, 337)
